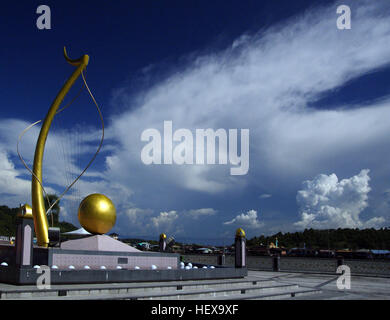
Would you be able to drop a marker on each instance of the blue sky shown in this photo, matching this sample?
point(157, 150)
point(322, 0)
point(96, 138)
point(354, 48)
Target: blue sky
point(315, 99)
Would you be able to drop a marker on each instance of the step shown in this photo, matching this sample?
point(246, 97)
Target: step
point(187, 294)
point(126, 288)
point(277, 295)
point(328, 295)
point(194, 294)
point(220, 294)
point(296, 293)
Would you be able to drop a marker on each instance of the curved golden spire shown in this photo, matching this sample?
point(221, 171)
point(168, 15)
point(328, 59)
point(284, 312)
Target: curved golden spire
point(76, 62)
point(38, 205)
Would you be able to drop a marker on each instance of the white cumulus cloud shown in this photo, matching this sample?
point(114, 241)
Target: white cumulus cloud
point(326, 202)
point(137, 216)
point(246, 220)
point(14, 190)
point(165, 221)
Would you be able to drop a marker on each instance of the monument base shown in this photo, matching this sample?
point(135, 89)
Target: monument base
point(30, 276)
point(101, 259)
point(100, 251)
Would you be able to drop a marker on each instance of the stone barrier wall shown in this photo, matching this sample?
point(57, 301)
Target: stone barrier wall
point(370, 267)
point(308, 264)
point(253, 262)
point(299, 264)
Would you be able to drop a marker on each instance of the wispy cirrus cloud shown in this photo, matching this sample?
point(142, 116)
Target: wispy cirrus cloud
point(204, 212)
point(269, 78)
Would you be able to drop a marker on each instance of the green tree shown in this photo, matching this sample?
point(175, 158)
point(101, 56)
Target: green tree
point(8, 218)
point(53, 215)
point(335, 238)
point(8, 221)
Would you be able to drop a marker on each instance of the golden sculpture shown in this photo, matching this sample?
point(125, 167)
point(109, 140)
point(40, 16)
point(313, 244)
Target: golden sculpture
point(97, 214)
point(38, 202)
point(39, 212)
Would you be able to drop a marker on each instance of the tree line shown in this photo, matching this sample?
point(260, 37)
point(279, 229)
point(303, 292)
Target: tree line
point(8, 218)
point(354, 239)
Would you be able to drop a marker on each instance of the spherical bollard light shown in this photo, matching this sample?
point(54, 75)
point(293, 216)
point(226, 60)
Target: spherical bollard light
point(36, 267)
point(137, 268)
point(153, 267)
point(54, 267)
point(204, 267)
point(71, 267)
point(212, 267)
point(169, 267)
point(87, 267)
point(118, 267)
point(102, 268)
point(4, 264)
point(195, 267)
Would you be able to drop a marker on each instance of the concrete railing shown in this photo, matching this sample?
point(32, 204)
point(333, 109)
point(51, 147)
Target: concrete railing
point(299, 264)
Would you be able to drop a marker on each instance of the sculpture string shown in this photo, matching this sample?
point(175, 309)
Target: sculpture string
point(37, 189)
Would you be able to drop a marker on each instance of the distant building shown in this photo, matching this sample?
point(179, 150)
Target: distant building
point(363, 254)
point(272, 245)
point(204, 250)
point(143, 245)
point(7, 240)
point(345, 253)
point(381, 254)
point(177, 249)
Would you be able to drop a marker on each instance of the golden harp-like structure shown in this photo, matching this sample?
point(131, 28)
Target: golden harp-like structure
point(38, 202)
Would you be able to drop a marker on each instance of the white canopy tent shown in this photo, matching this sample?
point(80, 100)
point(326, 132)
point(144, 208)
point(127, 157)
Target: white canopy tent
point(78, 232)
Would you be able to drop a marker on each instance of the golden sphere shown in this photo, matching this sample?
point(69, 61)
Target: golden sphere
point(240, 233)
point(97, 214)
point(25, 212)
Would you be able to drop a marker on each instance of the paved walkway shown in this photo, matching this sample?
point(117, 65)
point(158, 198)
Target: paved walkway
point(362, 288)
